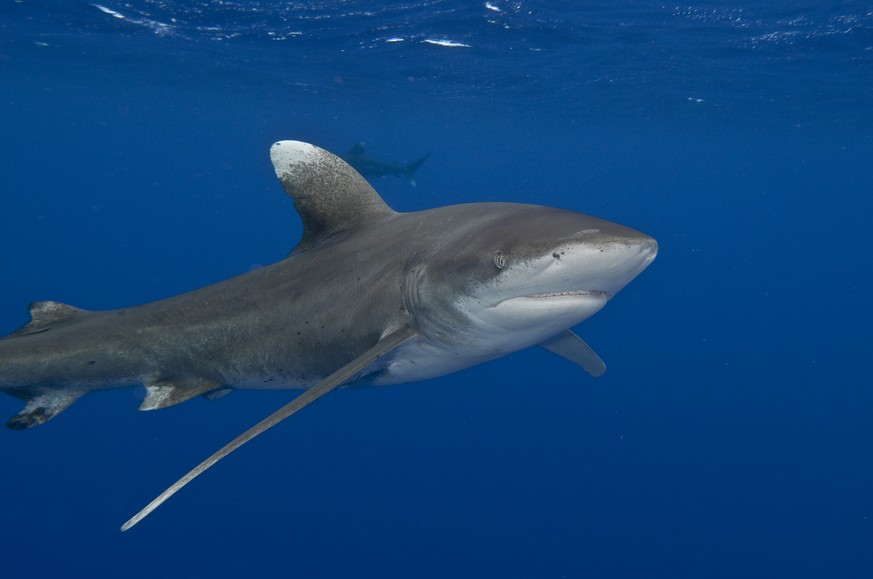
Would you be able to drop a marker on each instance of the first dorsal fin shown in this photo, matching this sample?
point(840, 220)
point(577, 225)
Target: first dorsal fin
point(329, 194)
point(45, 315)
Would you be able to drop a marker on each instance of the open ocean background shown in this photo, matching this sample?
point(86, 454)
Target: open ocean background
point(732, 435)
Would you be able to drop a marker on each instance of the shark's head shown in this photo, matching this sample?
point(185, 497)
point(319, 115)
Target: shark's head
point(519, 274)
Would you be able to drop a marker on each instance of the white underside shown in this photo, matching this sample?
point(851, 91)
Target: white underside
point(511, 325)
point(419, 360)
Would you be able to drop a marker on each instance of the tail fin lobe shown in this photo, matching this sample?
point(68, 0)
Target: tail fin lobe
point(411, 168)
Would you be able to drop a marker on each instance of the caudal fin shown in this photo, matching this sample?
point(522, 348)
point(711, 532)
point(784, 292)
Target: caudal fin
point(411, 168)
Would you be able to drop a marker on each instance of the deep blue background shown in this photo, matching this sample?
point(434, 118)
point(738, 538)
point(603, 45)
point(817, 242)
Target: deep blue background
point(731, 436)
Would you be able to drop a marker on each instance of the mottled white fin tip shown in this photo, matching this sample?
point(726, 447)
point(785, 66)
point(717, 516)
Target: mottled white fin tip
point(42, 408)
point(164, 393)
point(328, 193)
point(287, 154)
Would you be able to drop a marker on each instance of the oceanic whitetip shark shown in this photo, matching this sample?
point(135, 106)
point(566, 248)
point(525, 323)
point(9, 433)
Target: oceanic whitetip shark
point(370, 167)
point(368, 294)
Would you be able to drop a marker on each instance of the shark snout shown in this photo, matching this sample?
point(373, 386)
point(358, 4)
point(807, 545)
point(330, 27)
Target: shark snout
point(640, 252)
point(630, 242)
point(612, 255)
point(648, 248)
point(647, 242)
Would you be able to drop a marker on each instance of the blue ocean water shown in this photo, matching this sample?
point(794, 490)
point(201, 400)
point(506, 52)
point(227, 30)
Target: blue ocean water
point(731, 436)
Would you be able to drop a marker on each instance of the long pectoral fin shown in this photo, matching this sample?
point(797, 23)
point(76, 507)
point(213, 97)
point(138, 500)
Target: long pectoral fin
point(338, 378)
point(573, 348)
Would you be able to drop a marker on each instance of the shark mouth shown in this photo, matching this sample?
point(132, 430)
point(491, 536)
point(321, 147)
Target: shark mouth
point(545, 312)
point(567, 293)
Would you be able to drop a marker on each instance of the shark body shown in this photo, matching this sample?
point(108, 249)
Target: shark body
point(369, 294)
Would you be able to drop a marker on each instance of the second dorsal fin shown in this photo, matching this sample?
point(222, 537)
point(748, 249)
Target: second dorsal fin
point(329, 194)
point(45, 315)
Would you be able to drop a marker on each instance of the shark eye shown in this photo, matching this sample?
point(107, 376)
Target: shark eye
point(499, 260)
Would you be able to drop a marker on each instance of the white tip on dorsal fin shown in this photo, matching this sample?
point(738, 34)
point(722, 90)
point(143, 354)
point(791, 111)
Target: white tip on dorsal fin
point(329, 194)
point(45, 315)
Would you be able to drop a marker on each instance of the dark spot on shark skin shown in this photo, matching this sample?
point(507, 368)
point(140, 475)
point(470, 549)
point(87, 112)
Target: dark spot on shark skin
point(92, 362)
point(556, 255)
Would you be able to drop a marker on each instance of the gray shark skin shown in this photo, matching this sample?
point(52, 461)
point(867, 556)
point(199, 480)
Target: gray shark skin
point(369, 294)
point(369, 167)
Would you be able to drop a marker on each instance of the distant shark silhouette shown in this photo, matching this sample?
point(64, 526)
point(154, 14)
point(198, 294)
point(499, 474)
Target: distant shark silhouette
point(368, 294)
point(369, 167)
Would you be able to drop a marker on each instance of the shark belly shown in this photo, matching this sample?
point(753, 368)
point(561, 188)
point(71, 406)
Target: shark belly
point(419, 360)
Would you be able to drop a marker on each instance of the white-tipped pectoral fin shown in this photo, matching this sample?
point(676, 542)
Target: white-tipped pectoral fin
point(571, 347)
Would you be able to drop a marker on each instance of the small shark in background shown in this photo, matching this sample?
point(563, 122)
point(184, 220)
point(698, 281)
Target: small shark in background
point(369, 294)
point(369, 167)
